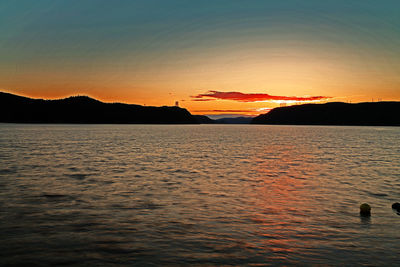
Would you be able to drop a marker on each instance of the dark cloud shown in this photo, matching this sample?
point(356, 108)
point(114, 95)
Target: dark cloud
point(243, 97)
point(202, 99)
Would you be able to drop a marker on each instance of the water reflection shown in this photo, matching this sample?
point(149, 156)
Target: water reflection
point(365, 220)
point(284, 199)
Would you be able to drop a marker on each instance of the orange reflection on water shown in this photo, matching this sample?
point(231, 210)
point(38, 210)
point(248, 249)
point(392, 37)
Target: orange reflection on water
point(284, 199)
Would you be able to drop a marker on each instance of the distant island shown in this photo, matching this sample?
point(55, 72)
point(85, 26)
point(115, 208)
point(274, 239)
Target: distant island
point(334, 113)
point(83, 109)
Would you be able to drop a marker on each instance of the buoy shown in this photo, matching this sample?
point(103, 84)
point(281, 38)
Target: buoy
point(365, 209)
point(396, 206)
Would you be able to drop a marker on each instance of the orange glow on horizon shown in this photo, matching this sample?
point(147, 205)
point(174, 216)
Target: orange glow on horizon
point(210, 107)
point(260, 78)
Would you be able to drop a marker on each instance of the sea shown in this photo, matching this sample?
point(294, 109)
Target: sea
point(198, 195)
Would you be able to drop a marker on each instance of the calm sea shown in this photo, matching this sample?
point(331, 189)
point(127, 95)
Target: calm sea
point(144, 195)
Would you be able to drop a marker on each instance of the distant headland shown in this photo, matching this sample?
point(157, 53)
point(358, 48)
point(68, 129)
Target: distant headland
point(83, 109)
point(335, 113)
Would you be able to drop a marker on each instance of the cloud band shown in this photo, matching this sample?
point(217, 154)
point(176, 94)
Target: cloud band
point(243, 97)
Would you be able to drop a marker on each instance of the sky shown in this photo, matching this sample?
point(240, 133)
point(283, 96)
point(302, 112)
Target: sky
point(214, 57)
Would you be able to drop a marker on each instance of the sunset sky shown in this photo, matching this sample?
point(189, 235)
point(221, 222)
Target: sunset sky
point(228, 57)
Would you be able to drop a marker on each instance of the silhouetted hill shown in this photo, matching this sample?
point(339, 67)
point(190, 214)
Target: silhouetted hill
point(236, 120)
point(83, 109)
point(335, 113)
point(203, 119)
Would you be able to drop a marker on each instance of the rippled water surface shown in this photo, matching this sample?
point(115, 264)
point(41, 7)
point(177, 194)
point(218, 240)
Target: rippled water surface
point(198, 195)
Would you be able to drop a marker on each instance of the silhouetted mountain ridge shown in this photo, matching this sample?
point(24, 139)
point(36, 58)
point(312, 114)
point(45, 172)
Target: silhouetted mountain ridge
point(78, 99)
point(83, 109)
point(334, 113)
point(234, 120)
point(203, 119)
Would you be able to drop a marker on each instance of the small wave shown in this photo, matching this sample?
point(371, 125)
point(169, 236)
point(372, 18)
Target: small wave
point(7, 171)
point(148, 206)
point(114, 249)
point(120, 170)
point(106, 182)
point(53, 195)
point(378, 194)
point(57, 197)
point(78, 176)
point(82, 226)
point(178, 171)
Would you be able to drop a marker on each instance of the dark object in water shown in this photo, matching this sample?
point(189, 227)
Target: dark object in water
point(396, 206)
point(365, 209)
